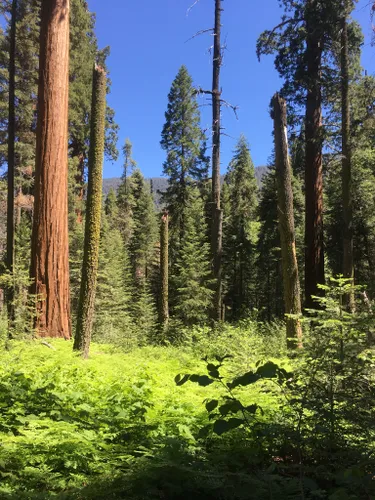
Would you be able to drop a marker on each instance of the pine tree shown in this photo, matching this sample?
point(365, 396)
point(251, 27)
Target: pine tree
point(115, 293)
point(193, 280)
point(94, 206)
point(124, 194)
point(184, 143)
point(240, 232)
point(50, 254)
point(347, 194)
point(143, 240)
point(303, 41)
point(11, 158)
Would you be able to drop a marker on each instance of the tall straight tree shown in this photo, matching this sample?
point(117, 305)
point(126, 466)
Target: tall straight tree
point(183, 141)
point(314, 252)
point(50, 244)
point(93, 215)
point(11, 157)
point(240, 203)
point(217, 213)
point(292, 299)
point(164, 271)
point(347, 201)
point(302, 41)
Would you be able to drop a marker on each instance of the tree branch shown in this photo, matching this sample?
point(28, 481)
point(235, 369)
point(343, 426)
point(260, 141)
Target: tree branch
point(200, 32)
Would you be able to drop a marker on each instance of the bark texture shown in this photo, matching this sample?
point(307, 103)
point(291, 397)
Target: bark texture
point(164, 271)
point(347, 202)
point(292, 297)
point(85, 314)
point(314, 251)
point(217, 215)
point(50, 246)
point(11, 159)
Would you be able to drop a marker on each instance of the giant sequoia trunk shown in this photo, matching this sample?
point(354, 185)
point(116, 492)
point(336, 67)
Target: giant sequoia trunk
point(217, 214)
point(11, 160)
point(314, 252)
point(86, 303)
point(348, 261)
point(292, 298)
point(50, 251)
point(164, 271)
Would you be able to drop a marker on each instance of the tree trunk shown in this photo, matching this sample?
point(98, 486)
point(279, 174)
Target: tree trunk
point(164, 268)
point(217, 215)
point(50, 244)
point(314, 252)
point(11, 162)
point(90, 264)
point(348, 261)
point(292, 298)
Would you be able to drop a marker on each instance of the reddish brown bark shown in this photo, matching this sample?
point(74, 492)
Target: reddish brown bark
point(347, 199)
point(50, 254)
point(314, 252)
point(11, 160)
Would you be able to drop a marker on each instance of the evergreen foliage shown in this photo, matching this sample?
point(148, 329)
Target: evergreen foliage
point(192, 278)
point(240, 232)
point(184, 143)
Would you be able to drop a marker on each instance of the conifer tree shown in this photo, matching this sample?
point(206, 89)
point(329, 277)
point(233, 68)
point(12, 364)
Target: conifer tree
point(347, 195)
point(240, 232)
point(193, 281)
point(93, 215)
point(124, 194)
point(184, 143)
point(11, 157)
point(302, 42)
point(143, 240)
point(50, 254)
point(115, 293)
point(164, 271)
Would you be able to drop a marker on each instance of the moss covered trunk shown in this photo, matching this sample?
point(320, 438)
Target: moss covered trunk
point(85, 314)
point(50, 245)
point(292, 298)
point(164, 271)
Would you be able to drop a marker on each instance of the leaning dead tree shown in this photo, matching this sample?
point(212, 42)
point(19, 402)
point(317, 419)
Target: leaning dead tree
point(292, 297)
point(164, 271)
point(90, 263)
point(50, 244)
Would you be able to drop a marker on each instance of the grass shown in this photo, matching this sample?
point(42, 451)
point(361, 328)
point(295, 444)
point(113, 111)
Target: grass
point(116, 425)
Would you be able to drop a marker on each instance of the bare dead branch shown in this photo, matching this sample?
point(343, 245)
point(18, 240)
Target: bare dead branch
point(200, 32)
point(191, 7)
point(199, 90)
point(231, 106)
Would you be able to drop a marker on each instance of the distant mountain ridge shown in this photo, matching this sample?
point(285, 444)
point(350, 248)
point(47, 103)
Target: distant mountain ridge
point(160, 184)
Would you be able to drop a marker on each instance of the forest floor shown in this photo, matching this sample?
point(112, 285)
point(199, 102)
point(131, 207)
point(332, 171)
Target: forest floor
point(118, 426)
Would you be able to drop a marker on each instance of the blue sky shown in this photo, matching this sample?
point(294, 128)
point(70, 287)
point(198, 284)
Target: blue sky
point(148, 40)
